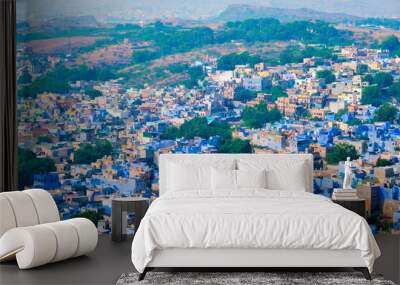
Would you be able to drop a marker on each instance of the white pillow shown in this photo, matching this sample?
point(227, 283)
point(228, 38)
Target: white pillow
point(186, 175)
point(223, 179)
point(282, 174)
point(292, 177)
point(183, 177)
point(251, 178)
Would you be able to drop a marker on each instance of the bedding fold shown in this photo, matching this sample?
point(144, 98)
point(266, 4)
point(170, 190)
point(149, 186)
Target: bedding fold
point(252, 218)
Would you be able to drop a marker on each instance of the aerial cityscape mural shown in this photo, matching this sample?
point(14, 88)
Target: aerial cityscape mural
point(102, 92)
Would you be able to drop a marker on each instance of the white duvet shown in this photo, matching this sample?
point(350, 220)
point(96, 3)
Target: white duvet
point(250, 219)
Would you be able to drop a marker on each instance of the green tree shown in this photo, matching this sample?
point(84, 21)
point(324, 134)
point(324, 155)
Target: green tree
point(257, 116)
point(85, 154)
point(93, 93)
point(362, 68)
point(274, 115)
point(291, 54)
point(45, 83)
point(198, 127)
point(25, 77)
point(394, 90)
point(268, 29)
point(319, 52)
point(383, 79)
point(43, 139)
point(235, 145)
point(93, 216)
point(354, 122)
point(326, 75)
point(171, 133)
point(341, 152)
point(195, 73)
point(386, 113)
point(368, 78)
point(88, 153)
point(228, 62)
point(103, 147)
point(143, 56)
point(371, 96)
point(381, 162)
point(29, 165)
point(296, 54)
point(315, 119)
point(303, 113)
point(178, 67)
point(58, 79)
point(339, 114)
point(391, 43)
point(244, 95)
point(277, 92)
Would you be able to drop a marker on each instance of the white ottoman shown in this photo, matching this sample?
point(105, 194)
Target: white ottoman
point(31, 232)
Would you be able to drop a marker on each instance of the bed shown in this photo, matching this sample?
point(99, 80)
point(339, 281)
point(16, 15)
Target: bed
point(247, 211)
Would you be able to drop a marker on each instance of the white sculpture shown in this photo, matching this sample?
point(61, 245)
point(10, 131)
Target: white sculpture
point(348, 174)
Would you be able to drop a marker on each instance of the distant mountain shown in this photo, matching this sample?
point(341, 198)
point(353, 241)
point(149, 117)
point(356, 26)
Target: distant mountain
point(243, 12)
point(361, 8)
point(150, 10)
point(71, 22)
point(59, 24)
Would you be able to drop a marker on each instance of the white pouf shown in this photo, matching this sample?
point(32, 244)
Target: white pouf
point(31, 232)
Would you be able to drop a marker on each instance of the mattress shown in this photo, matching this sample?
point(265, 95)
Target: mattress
point(250, 219)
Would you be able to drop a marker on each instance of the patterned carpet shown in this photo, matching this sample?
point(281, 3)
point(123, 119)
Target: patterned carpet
point(243, 278)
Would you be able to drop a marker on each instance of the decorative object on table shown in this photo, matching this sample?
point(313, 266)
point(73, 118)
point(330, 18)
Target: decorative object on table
point(347, 192)
point(127, 212)
point(344, 194)
point(244, 278)
point(32, 233)
point(355, 205)
point(348, 174)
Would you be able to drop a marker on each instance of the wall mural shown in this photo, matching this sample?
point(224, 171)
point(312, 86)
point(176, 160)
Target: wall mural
point(105, 88)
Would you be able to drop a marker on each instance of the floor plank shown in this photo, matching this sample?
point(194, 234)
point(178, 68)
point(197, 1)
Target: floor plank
point(103, 266)
point(111, 259)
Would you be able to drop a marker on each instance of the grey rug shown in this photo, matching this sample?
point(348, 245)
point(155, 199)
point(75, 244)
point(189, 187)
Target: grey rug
point(243, 278)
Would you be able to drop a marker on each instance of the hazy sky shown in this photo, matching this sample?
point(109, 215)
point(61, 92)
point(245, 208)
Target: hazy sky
point(190, 9)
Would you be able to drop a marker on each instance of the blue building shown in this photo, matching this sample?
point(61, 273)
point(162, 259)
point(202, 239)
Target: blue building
point(47, 181)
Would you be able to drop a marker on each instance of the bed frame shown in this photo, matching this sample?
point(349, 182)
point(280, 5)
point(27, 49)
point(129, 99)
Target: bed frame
point(259, 259)
point(235, 259)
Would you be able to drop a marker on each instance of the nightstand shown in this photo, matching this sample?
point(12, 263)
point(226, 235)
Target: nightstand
point(122, 209)
point(355, 205)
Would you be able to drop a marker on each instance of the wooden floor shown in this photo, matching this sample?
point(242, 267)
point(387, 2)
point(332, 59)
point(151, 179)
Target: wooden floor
point(106, 264)
point(389, 263)
point(103, 266)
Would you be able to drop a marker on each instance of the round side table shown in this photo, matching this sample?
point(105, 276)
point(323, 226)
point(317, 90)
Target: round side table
point(119, 215)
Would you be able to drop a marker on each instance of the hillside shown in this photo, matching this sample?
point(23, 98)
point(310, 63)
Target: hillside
point(361, 8)
point(150, 10)
point(243, 12)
